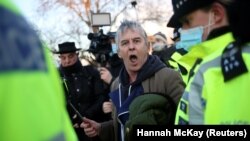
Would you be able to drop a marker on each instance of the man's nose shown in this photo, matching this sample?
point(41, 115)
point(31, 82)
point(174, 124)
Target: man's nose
point(131, 45)
point(67, 60)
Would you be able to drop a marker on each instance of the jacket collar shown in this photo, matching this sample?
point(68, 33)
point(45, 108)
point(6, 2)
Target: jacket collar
point(218, 32)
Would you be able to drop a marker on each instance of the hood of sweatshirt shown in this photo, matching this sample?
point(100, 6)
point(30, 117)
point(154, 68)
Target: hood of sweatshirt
point(152, 65)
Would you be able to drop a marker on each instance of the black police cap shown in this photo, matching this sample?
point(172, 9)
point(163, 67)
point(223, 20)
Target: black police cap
point(184, 7)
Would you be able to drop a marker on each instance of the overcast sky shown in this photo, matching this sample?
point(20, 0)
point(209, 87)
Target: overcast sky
point(25, 6)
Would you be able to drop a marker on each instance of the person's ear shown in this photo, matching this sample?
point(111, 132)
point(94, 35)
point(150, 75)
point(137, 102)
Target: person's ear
point(219, 12)
point(118, 52)
point(119, 55)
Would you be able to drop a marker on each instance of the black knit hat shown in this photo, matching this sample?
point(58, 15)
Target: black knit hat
point(161, 36)
point(184, 7)
point(66, 47)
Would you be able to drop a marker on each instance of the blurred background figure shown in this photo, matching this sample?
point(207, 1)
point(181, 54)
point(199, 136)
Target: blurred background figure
point(104, 48)
point(161, 48)
point(32, 102)
point(160, 41)
point(115, 62)
point(111, 70)
point(109, 64)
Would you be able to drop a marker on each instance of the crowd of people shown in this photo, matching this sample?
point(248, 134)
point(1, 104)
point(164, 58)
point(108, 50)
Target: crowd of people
point(200, 79)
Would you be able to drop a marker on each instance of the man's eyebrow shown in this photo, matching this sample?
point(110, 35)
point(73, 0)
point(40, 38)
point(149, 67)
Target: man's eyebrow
point(125, 40)
point(136, 38)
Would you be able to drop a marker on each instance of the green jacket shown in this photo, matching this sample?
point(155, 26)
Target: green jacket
point(150, 109)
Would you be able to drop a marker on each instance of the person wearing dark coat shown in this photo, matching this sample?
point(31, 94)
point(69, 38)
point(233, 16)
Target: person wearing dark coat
point(83, 88)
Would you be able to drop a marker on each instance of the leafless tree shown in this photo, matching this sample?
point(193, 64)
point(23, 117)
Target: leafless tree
point(73, 17)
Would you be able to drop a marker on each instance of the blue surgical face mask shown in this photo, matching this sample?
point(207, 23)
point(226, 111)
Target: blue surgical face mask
point(114, 48)
point(189, 38)
point(158, 46)
point(193, 36)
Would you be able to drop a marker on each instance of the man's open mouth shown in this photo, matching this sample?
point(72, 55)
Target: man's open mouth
point(133, 58)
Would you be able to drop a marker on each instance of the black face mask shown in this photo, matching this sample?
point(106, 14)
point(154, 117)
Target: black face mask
point(72, 69)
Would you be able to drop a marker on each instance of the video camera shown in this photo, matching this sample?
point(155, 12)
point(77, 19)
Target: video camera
point(100, 46)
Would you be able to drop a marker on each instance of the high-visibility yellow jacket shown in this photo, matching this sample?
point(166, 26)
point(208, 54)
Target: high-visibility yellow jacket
point(179, 66)
point(194, 58)
point(213, 101)
point(32, 103)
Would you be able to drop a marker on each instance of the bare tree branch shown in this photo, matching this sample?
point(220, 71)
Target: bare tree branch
point(76, 21)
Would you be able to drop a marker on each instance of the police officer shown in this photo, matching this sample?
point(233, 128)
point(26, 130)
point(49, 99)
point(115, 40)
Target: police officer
point(32, 103)
point(201, 21)
point(83, 87)
point(219, 93)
